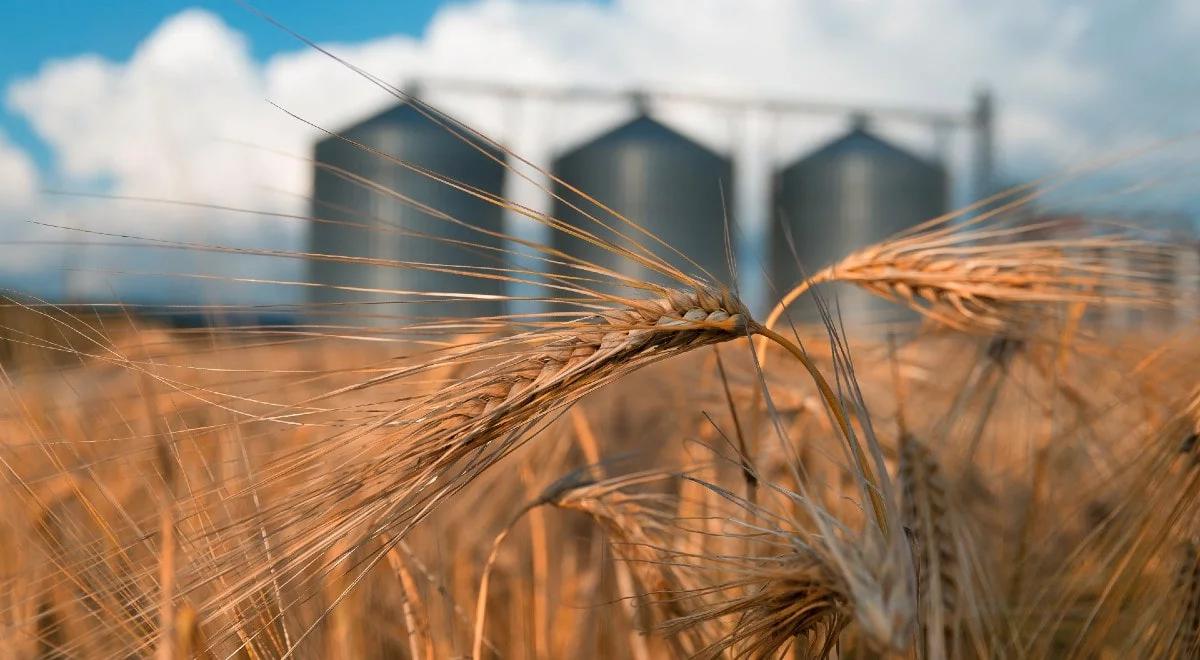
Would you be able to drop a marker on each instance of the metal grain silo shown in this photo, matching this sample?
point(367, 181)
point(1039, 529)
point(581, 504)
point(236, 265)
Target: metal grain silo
point(661, 180)
point(402, 231)
point(852, 192)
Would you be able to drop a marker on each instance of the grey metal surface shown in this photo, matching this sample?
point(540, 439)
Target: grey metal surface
point(852, 192)
point(661, 180)
point(403, 134)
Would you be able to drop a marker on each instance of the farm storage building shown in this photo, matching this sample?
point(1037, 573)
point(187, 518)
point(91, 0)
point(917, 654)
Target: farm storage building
point(656, 177)
point(854, 191)
point(383, 220)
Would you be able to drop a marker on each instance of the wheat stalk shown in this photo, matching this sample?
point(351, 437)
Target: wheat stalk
point(937, 562)
point(472, 423)
point(993, 278)
point(1186, 641)
point(639, 527)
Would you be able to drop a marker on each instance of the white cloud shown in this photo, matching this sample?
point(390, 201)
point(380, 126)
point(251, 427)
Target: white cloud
point(18, 177)
point(158, 124)
point(18, 194)
point(173, 121)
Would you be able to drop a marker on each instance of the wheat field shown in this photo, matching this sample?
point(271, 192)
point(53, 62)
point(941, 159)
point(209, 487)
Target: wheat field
point(644, 474)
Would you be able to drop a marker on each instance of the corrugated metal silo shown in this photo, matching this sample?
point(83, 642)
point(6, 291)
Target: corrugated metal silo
point(852, 192)
point(656, 177)
point(403, 134)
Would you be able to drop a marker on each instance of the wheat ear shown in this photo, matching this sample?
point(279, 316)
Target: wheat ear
point(989, 279)
point(935, 554)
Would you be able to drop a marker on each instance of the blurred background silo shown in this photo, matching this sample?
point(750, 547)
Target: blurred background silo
point(1171, 267)
point(403, 134)
point(854, 191)
point(658, 178)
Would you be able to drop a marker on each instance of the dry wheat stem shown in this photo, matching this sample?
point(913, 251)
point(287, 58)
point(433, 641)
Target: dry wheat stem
point(935, 555)
point(496, 403)
point(791, 599)
point(835, 407)
point(1186, 640)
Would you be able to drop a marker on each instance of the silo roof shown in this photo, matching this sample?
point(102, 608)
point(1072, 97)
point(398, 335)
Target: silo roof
point(642, 128)
point(400, 113)
point(861, 141)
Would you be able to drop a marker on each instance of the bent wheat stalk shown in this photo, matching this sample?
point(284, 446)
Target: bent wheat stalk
point(991, 278)
point(373, 483)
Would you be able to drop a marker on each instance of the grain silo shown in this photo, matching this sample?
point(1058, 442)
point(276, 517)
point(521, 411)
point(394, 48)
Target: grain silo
point(1170, 267)
point(852, 192)
point(400, 230)
point(656, 177)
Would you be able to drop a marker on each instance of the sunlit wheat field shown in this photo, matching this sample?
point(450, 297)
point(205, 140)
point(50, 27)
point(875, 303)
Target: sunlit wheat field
point(617, 456)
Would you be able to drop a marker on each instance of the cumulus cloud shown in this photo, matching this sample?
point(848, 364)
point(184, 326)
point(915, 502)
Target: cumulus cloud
point(166, 122)
point(186, 116)
point(18, 194)
point(18, 177)
point(184, 119)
